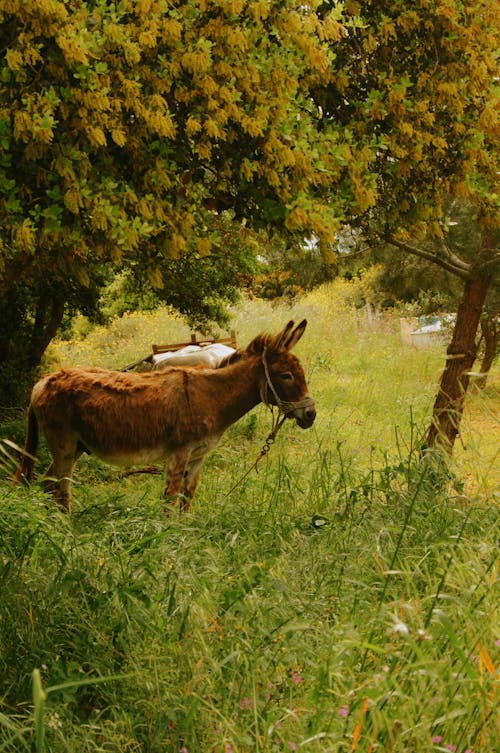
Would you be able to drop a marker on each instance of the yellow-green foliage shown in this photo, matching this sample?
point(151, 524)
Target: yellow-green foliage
point(122, 123)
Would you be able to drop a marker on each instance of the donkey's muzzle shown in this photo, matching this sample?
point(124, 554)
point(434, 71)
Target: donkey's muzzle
point(305, 415)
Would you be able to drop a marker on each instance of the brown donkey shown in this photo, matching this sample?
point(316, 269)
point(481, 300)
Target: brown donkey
point(176, 415)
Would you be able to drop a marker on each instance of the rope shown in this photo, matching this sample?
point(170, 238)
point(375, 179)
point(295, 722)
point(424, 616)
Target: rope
point(270, 439)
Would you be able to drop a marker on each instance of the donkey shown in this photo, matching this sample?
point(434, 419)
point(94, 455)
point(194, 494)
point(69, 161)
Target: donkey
point(176, 415)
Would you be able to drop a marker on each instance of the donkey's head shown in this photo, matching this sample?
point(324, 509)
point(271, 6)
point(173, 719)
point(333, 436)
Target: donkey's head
point(282, 381)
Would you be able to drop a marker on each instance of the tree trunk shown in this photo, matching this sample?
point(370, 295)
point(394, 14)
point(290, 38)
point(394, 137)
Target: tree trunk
point(48, 317)
point(461, 354)
point(27, 330)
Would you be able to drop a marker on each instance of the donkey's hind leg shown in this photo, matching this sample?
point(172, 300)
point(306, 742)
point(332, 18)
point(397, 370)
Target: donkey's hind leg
point(191, 476)
point(60, 472)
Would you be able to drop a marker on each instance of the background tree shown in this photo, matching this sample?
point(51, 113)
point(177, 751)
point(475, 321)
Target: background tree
point(201, 287)
point(417, 278)
point(418, 86)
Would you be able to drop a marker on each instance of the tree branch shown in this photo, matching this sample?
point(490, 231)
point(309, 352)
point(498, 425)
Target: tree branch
point(454, 259)
point(462, 270)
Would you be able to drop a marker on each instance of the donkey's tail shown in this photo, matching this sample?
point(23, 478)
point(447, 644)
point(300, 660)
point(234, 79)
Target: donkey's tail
point(25, 469)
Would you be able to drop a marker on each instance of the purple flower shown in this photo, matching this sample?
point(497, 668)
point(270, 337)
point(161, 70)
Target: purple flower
point(245, 703)
point(296, 678)
point(450, 747)
point(293, 746)
point(497, 643)
point(343, 710)
point(436, 739)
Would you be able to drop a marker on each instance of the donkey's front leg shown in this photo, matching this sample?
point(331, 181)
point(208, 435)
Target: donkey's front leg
point(193, 467)
point(191, 476)
point(176, 472)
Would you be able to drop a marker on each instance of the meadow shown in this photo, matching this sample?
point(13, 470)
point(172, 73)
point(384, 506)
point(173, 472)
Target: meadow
point(343, 597)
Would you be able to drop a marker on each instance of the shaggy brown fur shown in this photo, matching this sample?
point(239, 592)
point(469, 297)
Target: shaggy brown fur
point(176, 415)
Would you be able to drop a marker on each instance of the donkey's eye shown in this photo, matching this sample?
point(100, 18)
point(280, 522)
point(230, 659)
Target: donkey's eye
point(285, 375)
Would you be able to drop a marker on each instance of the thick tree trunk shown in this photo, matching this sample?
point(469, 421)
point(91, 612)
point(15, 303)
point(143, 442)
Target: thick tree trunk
point(23, 341)
point(461, 354)
point(48, 317)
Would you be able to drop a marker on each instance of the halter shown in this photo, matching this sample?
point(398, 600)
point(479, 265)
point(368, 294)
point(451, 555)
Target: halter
point(287, 407)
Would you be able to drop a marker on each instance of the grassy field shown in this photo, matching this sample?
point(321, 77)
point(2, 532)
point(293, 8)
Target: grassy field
point(344, 598)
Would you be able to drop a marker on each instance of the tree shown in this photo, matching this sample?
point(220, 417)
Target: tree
point(418, 86)
point(490, 339)
point(417, 276)
point(124, 126)
point(199, 286)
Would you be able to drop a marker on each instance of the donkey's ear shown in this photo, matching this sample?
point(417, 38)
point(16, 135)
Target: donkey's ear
point(289, 336)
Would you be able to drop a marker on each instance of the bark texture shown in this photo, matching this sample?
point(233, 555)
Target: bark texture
point(461, 354)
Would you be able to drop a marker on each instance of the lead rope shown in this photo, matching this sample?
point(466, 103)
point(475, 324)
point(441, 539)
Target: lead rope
point(278, 422)
point(285, 407)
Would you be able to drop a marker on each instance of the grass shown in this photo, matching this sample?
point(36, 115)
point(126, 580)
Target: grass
point(343, 598)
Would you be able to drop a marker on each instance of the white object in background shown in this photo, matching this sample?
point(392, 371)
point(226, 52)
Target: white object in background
point(193, 355)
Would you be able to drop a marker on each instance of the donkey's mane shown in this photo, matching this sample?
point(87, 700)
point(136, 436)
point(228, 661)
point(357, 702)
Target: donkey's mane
point(260, 342)
point(231, 358)
point(255, 348)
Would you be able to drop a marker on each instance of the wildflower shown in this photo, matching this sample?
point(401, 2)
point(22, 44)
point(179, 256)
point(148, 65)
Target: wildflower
point(183, 749)
point(293, 746)
point(497, 643)
point(450, 747)
point(423, 635)
point(54, 721)
point(436, 739)
point(343, 710)
point(400, 627)
point(296, 678)
point(227, 748)
point(245, 703)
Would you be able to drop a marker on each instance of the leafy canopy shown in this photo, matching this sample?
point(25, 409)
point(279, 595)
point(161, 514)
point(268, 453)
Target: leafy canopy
point(417, 85)
point(123, 124)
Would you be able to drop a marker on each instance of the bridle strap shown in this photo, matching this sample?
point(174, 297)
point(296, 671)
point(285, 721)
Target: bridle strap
point(288, 407)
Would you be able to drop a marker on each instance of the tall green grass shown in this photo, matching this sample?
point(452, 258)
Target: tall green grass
point(342, 598)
